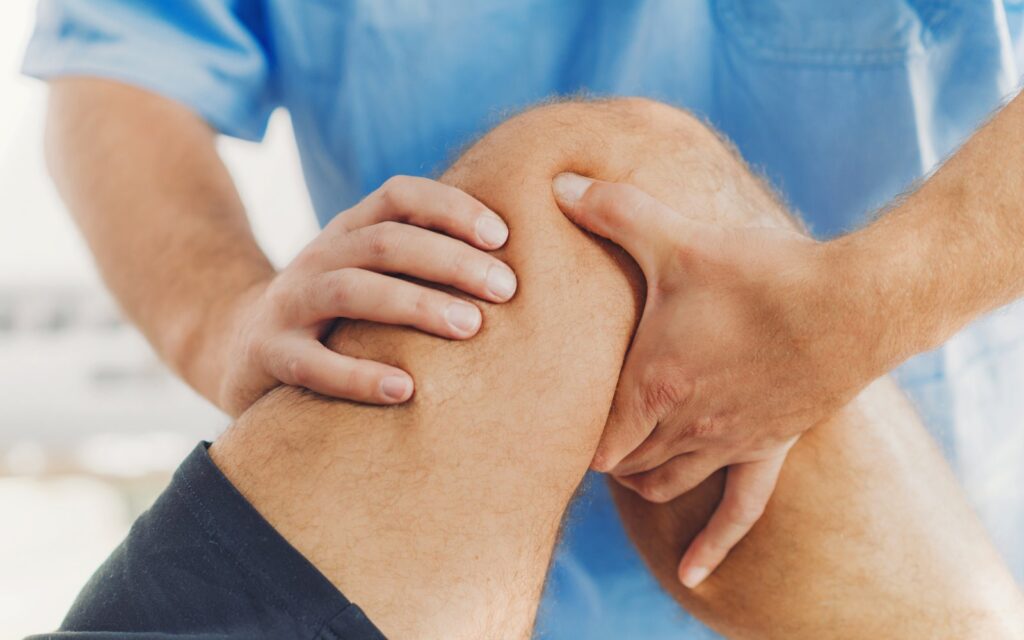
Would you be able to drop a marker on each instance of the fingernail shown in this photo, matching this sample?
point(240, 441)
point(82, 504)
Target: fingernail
point(570, 187)
point(463, 317)
point(501, 282)
point(491, 230)
point(396, 387)
point(694, 576)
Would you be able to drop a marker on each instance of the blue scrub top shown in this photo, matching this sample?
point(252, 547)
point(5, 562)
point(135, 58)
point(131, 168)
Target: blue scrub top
point(842, 104)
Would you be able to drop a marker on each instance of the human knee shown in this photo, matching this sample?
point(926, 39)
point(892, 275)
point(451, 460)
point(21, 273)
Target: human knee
point(664, 150)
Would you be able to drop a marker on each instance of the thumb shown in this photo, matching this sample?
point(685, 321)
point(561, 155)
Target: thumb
point(629, 423)
point(619, 212)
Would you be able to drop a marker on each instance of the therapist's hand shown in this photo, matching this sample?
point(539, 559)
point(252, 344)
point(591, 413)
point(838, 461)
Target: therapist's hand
point(740, 349)
point(410, 226)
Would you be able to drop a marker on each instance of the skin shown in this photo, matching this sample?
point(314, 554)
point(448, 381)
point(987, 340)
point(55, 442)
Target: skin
point(142, 177)
point(189, 273)
point(729, 376)
point(438, 517)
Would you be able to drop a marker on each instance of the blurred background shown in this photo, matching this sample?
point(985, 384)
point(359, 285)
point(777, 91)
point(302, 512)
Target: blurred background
point(91, 424)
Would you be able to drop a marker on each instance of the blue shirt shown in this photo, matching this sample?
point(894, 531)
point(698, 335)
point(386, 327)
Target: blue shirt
point(842, 105)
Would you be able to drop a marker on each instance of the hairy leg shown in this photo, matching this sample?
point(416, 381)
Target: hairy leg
point(438, 517)
point(868, 534)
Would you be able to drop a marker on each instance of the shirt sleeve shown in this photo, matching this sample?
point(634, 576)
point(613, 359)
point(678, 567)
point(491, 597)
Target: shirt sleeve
point(210, 55)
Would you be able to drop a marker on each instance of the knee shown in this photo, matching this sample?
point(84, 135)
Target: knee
point(607, 138)
point(664, 150)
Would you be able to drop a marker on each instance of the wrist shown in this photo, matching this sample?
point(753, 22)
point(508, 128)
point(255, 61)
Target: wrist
point(887, 290)
point(197, 347)
point(850, 319)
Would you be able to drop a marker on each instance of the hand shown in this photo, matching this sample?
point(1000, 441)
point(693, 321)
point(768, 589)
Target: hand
point(740, 349)
point(343, 273)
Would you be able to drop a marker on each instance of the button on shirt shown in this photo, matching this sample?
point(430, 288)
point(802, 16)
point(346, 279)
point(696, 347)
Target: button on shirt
point(842, 104)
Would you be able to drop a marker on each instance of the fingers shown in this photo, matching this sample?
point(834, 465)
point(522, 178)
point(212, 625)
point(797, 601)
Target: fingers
point(672, 479)
point(630, 421)
point(401, 248)
point(301, 362)
point(662, 445)
point(622, 213)
point(359, 294)
point(431, 205)
point(748, 487)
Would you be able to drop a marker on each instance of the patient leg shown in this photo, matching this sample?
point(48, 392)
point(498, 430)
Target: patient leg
point(438, 517)
point(868, 534)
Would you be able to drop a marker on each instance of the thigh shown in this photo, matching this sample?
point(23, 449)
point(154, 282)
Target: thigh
point(867, 535)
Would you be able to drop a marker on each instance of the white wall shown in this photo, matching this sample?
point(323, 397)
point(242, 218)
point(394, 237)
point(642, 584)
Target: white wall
point(90, 390)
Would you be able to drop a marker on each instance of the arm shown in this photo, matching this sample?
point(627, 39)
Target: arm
point(142, 177)
point(156, 204)
point(951, 251)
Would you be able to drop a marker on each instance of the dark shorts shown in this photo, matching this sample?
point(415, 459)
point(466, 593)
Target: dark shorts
point(203, 564)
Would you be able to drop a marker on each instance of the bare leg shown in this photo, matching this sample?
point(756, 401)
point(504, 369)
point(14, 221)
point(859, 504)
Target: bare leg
point(439, 517)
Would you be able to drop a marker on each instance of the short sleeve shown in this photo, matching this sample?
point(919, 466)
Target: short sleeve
point(206, 54)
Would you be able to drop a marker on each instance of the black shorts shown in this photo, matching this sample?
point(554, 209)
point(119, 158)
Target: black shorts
point(203, 564)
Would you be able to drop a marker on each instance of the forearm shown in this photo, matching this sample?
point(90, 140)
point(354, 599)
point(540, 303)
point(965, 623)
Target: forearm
point(156, 205)
point(953, 250)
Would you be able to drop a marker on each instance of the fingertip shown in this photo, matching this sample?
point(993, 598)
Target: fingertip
point(692, 575)
point(463, 318)
point(396, 388)
point(569, 188)
point(491, 230)
point(501, 282)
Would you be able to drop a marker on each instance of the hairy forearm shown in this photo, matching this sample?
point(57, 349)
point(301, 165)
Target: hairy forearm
point(159, 211)
point(951, 251)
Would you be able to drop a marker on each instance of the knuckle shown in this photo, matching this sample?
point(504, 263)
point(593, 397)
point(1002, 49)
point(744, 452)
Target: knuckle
point(462, 266)
point(703, 427)
point(298, 371)
point(660, 394)
point(393, 191)
point(277, 296)
point(284, 304)
point(422, 303)
point(338, 296)
point(616, 196)
point(344, 284)
point(382, 239)
point(395, 184)
point(630, 197)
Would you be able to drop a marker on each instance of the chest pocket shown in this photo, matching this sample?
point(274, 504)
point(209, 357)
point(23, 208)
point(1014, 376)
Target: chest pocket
point(836, 32)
